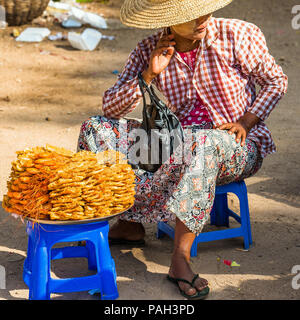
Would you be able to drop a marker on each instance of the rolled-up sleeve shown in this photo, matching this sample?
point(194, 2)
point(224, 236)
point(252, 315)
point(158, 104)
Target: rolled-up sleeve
point(125, 95)
point(255, 61)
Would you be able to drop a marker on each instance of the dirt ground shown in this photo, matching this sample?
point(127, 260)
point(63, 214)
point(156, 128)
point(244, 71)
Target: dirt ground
point(48, 89)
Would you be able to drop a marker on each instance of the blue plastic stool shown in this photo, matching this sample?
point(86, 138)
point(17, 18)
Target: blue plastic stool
point(220, 217)
point(42, 237)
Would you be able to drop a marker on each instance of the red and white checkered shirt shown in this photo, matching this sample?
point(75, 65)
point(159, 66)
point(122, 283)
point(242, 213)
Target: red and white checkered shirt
point(232, 58)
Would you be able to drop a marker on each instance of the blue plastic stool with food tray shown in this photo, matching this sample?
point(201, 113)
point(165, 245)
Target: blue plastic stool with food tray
point(219, 216)
point(42, 237)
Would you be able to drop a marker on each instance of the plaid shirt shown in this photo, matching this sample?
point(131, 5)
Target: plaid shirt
point(232, 58)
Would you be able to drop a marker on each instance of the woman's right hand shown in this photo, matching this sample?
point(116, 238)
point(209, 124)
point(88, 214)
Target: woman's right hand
point(160, 57)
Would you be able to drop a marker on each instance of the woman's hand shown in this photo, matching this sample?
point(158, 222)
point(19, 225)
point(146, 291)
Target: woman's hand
point(160, 57)
point(242, 127)
point(240, 131)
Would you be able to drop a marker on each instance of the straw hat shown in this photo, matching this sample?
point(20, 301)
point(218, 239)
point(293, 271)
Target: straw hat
point(151, 14)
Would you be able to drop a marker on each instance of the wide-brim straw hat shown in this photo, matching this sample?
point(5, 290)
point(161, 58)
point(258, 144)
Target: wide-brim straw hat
point(152, 14)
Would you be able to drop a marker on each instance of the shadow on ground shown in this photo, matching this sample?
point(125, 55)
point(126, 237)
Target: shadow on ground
point(142, 271)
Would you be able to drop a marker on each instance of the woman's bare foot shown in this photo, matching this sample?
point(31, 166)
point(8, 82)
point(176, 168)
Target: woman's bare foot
point(127, 230)
point(180, 268)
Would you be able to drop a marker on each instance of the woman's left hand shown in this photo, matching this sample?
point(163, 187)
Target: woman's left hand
point(238, 128)
point(242, 127)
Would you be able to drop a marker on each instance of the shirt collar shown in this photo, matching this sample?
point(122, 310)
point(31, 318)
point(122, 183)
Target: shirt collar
point(212, 32)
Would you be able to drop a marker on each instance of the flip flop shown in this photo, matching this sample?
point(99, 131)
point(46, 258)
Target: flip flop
point(120, 241)
point(199, 295)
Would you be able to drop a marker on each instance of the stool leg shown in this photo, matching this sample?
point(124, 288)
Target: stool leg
point(40, 273)
point(213, 215)
point(92, 262)
point(106, 267)
point(244, 219)
point(221, 206)
point(249, 228)
point(194, 248)
point(247, 212)
point(159, 232)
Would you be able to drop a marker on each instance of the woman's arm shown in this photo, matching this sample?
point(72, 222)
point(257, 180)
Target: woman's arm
point(253, 57)
point(125, 95)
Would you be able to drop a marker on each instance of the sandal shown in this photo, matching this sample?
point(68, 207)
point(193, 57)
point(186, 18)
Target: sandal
point(199, 295)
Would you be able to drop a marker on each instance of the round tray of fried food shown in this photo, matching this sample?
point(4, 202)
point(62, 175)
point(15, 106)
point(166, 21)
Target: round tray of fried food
point(56, 185)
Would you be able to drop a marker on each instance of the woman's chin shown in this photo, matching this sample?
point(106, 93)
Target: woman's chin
point(197, 35)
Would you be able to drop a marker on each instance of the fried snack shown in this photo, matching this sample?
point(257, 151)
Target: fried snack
point(54, 183)
point(65, 188)
point(60, 151)
point(103, 184)
point(29, 178)
point(110, 157)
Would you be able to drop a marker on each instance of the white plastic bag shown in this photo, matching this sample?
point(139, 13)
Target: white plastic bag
point(33, 34)
point(63, 7)
point(94, 20)
point(87, 17)
point(3, 23)
point(88, 40)
point(71, 23)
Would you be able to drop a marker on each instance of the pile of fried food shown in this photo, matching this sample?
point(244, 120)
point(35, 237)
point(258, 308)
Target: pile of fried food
point(51, 183)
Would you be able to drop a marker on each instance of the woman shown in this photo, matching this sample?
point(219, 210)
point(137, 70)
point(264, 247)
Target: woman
point(207, 69)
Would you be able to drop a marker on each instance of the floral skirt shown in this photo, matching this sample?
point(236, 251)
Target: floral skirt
point(183, 189)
